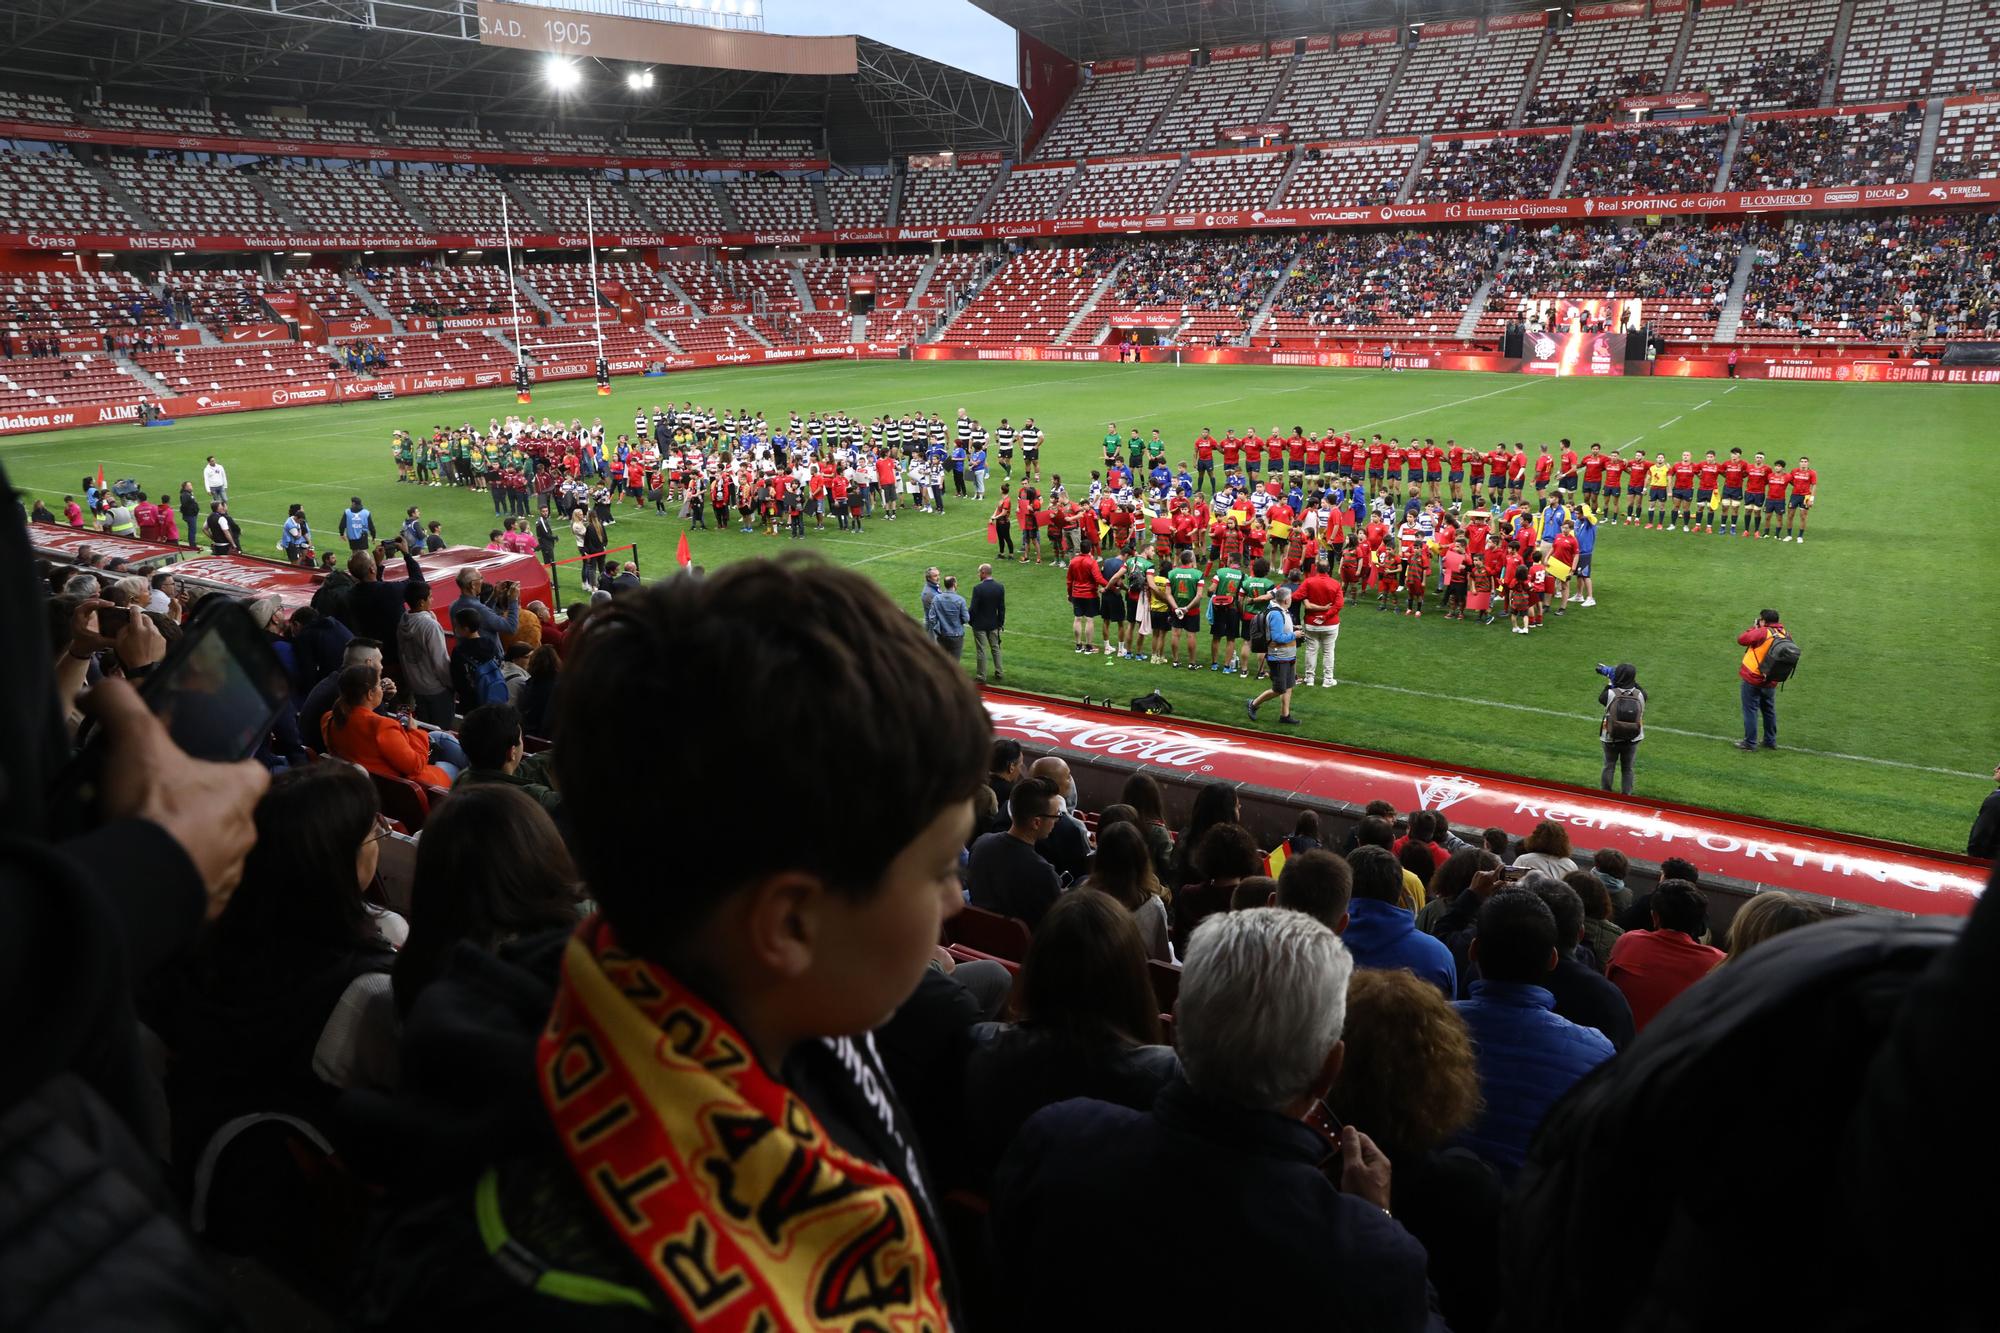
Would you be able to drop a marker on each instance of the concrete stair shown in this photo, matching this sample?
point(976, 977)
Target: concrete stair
point(1389, 91)
point(923, 282)
point(277, 202)
point(1837, 52)
point(799, 282)
point(119, 194)
point(373, 306)
point(1729, 147)
point(1679, 58)
point(1731, 318)
point(1569, 160)
point(1927, 142)
point(1520, 111)
point(522, 209)
point(636, 204)
point(1409, 185)
point(150, 382)
point(394, 185)
point(1083, 311)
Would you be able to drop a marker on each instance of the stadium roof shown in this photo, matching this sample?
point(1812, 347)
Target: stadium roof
point(1102, 29)
point(421, 59)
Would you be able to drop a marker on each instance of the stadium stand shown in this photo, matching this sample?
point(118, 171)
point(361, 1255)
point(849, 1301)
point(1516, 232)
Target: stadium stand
point(1461, 82)
point(773, 203)
point(1207, 288)
point(59, 302)
point(565, 286)
point(1229, 181)
point(1118, 187)
point(444, 290)
point(1383, 284)
point(197, 370)
point(1111, 113)
point(325, 292)
point(939, 197)
point(193, 196)
point(639, 282)
point(895, 277)
point(1761, 56)
point(340, 199)
point(50, 190)
point(859, 201)
point(1500, 167)
point(426, 353)
point(1332, 174)
point(1590, 65)
point(458, 199)
point(1827, 150)
point(19, 104)
point(1667, 158)
point(1029, 195)
point(1680, 270)
point(263, 125)
point(1917, 48)
point(29, 384)
point(446, 137)
point(1876, 278)
point(1030, 300)
point(679, 201)
point(161, 119)
point(706, 334)
point(746, 279)
point(217, 296)
point(551, 141)
point(765, 147)
point(1968, 142)
point(578, 342)
point(1333, 94)
point(700, 280)
point(662, 145)
point(561, 196)
point(1218, 95)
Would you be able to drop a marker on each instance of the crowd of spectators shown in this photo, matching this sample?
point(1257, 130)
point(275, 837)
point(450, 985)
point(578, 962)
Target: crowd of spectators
point(1679, 258)
point(1358, 277)
point(1199, 274)
point(1651, 160)
point(402, 1078)
point(1595, 104)
point(1497, 168)
point(1887, 278)
point(1828, 150)
point(1785, 80)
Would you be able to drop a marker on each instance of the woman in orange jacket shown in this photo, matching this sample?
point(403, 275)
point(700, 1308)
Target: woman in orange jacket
point(391, 747)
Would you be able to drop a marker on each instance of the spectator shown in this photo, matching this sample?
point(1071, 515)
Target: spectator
point(1621, 750)
point(1426, 829)
point(1600, 932)
point(1123, 871)
point(514, 670)
point(385, 746)
point(491, 624)
point(496, 756)
point(1383, 810)
point(1066, 846)
point(426, 665)
point(1758, 693)
point(377, 607)
point(1006, 874)
point(325, 693)
point(1612, 867)
point(781, 952)
point(286, 1000)
point(1449, 881)
point(1004, 768)
point(1319, 884)
point(1305, 833)
point(1496, 841)
point(1583, 996)
point(476, 676)
point(1089, 1028)
point(491, 868)
point(1410, 1079)
point(1638, 913)
point(1215, 803)
point(1528, 1054)
point(1770, 913)
point(538, 696)
point(1262, 1002)
point(1227, 856)
point(1654, 966)
point(1546, 851)
point(946, 617)
point(1383, 934)
point(1377, 831)
point(1143, 795)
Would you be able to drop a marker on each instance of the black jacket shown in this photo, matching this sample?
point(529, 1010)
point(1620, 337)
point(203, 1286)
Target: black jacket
point(1984, 839)
point(1585, 997)
point(1014, 1070)
point(989, 605)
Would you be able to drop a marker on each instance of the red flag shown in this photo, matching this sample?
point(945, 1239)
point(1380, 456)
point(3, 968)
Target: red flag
point(682, 556)
point(992, 534)
point(100, 476)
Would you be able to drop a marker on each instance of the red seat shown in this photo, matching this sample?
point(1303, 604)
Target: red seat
point(1003, 937)
point(402, 800)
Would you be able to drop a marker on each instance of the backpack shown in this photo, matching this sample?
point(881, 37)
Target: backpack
point(1782, 662)
point(488, 685)
point(1153, 704)
point(1626, 717)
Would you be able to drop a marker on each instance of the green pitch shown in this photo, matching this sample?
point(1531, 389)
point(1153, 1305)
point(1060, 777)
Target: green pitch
point(1892, 727)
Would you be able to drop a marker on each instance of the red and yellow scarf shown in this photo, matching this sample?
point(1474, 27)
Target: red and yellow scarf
point(720, 1181)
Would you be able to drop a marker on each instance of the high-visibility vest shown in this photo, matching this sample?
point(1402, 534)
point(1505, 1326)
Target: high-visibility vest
point(1753, 658)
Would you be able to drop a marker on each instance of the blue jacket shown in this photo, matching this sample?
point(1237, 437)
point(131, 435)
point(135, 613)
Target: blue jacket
point(948, 615)
point(1255, 1237)
point(1385, 937)
point(1528, 1058)
point(492, 624)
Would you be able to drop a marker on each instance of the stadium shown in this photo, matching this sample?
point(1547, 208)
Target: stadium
point(444, 430)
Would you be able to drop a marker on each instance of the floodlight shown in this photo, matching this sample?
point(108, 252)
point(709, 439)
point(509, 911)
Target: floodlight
point(563, 75)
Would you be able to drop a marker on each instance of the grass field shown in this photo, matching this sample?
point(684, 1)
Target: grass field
point(1891, 728)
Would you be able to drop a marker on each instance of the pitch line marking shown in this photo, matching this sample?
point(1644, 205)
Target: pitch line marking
point(1629, 443)
point(1703, 403)
point(1732, 388)
point(1668, 422)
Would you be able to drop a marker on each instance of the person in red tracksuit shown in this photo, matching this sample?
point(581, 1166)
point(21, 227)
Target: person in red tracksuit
point(1759, 695)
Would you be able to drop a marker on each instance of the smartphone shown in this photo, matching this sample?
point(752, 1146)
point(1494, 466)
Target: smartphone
point(1514, 872)
point(218, 690)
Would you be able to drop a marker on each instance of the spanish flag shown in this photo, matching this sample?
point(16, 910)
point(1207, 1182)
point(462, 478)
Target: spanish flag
point(1274, 860)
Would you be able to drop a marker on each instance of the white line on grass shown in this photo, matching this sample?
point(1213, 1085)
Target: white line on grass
point(1668, 422)
point(1732, 388)
point(1703, 403)
point(1456, 402)
point(1629, 443)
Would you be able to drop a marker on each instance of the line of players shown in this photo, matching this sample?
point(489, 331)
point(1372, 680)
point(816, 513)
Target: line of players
point(1729, 496)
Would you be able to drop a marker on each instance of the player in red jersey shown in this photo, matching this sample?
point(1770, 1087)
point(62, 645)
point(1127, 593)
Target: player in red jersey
point(1433, 467)
point(1683, 493)
point(1382, 567)
point(1416, 573)
point(1204, 460)
point(1545, 471)
point(1085, 581)
point(1707, 491)
point(1295, 451)
point(1755, 478)
point(1775, 486)
point(1517, 471)
point(1353, 568)
point(1378, 454)
point(1566, 472)
point(1232, 451)
point(1733, 469)
point(1454, 462)
point(1803, 480)
point(1478, 589)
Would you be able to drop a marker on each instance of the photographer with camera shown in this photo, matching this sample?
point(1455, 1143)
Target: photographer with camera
point(1624, 723)
point(492, 623)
